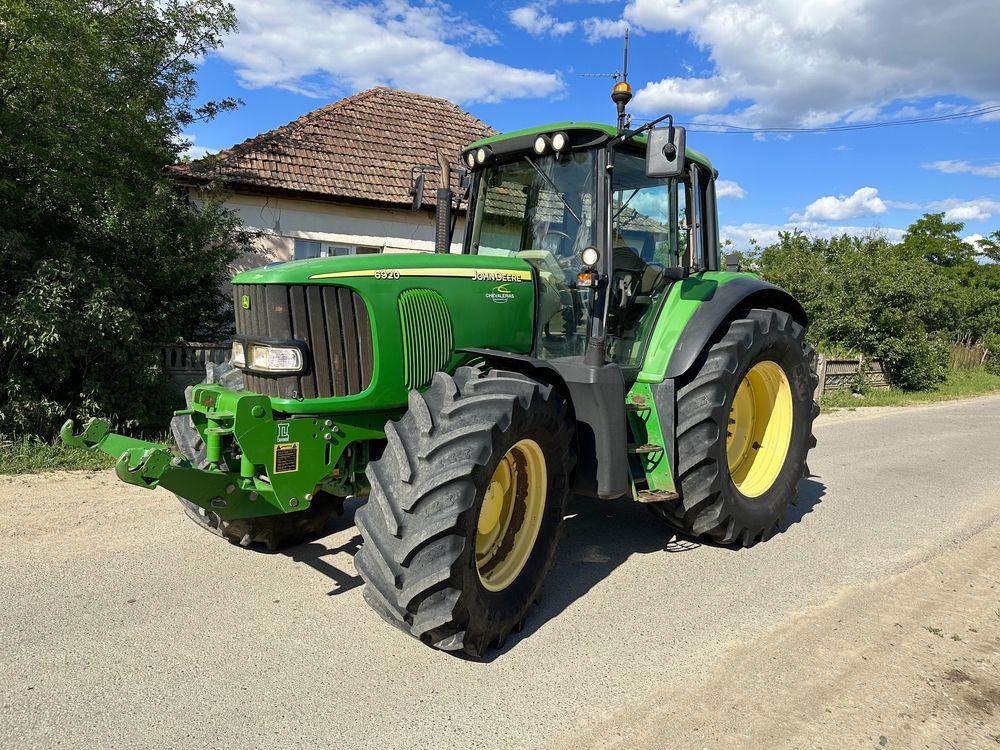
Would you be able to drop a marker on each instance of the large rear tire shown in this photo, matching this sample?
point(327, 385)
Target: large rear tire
point(744, 429)
point(466, 508)
point(271, 532)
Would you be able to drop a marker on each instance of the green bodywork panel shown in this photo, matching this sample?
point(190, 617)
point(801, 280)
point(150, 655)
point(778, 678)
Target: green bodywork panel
point(467, 283)
point(646, 427)
point(597, 127)
point(683, 299)
point(268, 456)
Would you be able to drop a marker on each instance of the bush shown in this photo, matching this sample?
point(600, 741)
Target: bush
point(916, 363)
point(100, 250)
point(992, 344)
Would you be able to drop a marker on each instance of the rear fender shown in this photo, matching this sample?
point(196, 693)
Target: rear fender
point(717, 298)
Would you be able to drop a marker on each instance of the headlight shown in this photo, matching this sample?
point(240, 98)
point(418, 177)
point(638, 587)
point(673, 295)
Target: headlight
point(481, 155)
point(265, 358)
point(470, 159)
point(560, 141)
point(590, 256)
point(541, 144)
point(239, 355)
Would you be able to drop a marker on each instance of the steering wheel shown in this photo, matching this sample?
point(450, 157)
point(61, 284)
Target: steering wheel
point(562, 261)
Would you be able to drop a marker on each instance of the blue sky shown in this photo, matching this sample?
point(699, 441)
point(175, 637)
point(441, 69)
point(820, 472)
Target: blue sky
point(762, 63)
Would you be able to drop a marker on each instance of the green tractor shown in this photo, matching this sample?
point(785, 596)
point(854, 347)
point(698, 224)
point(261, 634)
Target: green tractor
point(589, 339)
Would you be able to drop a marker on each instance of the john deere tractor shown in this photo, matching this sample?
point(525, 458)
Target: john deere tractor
point(588, 340)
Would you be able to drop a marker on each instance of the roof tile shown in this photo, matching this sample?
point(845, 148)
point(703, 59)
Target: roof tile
point(360, 148)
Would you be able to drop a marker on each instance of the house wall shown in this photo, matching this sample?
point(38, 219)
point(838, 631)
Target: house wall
point(282, 220)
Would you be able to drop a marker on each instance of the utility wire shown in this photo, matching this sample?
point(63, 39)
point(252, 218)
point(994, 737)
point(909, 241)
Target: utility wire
point(727, 129)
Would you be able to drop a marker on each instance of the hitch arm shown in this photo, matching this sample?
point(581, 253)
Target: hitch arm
point(139, 462)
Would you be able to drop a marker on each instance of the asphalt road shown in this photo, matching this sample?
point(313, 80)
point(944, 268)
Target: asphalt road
point(123, 625)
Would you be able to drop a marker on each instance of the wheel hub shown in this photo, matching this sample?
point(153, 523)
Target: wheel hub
point(760, 428)
point(511, 515)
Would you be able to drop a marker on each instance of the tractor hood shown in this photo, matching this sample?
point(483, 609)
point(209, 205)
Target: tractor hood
point(371, 328)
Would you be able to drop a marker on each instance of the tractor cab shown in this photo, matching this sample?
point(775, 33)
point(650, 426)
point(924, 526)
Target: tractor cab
point(606, 234)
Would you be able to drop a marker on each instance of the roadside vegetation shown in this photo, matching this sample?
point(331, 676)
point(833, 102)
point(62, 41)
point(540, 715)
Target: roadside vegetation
point(903, 303)
point(956, 385)
point(33, 455)
point(928, 307)
point(100, 250)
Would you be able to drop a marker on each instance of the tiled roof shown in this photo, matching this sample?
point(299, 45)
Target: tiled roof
point(359, 149)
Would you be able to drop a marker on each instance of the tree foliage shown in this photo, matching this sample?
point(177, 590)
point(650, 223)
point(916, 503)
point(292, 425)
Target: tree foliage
point(100, 250)
point(900, 302)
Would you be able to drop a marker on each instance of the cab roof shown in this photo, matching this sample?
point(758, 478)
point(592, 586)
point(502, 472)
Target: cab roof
point(598, 128)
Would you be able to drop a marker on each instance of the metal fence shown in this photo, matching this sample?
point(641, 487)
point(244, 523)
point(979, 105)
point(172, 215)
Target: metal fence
point(186, 361)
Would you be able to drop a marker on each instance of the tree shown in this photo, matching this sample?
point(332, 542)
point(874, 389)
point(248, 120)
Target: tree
point(863, 294)
point(100, 251)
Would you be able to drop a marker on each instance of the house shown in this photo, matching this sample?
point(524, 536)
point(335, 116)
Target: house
point(337, 181)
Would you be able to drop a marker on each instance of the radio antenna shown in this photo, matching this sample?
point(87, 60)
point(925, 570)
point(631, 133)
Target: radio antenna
point(621, 94)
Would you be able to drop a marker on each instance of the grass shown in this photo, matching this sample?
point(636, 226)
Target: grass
point(32, 456)
point(958, 384)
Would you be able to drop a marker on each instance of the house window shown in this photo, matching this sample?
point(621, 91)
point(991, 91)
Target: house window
point(317, 249)
point(307, 249)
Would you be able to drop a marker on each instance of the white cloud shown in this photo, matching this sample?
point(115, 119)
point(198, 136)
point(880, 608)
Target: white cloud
point(974, 240)
point(729, 189)
point(820, 61)
point(596, 29)
point(186, 141)
point(683, 95)
point(321, 48)
point(864, 202)
point(955, 209)
point(538, 22)
point(963, 167)
point(765, 234)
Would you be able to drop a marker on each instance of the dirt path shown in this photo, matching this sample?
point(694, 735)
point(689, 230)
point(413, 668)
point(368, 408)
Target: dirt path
point(910, 662)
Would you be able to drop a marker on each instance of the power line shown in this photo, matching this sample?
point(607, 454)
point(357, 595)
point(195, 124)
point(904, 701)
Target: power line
point(727, 129)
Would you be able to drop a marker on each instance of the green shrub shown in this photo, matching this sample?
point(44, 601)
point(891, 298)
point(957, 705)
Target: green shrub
point(99, 248)
point(992, 344)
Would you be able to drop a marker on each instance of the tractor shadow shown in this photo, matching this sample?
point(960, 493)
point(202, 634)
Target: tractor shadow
point(322, 558)
point(600, 535)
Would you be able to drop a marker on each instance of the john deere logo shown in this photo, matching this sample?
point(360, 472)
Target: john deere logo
point(245, 301)
point(500, 294)
point(283, 432)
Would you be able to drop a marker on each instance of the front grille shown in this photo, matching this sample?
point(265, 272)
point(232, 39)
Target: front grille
point(427, 341)
point(332, 321)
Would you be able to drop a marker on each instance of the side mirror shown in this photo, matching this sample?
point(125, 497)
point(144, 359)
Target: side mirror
point(417, 191)
point(665, 152)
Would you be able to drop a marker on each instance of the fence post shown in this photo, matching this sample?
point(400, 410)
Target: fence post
point(820, 377)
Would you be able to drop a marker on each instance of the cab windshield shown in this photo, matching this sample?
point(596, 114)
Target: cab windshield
point(541, 209)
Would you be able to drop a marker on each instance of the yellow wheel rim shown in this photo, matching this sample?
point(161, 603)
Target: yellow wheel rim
point(511, 515)
point(760, 429)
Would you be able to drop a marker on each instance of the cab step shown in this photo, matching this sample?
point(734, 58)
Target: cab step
point(632, 408)
point(637, 449)
point(655, 496)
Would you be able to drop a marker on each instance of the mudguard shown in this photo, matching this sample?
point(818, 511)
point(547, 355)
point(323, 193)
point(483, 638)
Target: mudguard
point(738, 293)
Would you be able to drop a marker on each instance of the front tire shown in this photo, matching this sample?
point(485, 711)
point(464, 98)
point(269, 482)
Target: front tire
point(744, 429)
point(466, 507)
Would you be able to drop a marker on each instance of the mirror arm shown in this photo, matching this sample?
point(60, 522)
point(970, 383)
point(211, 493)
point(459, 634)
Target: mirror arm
point(629, 135)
